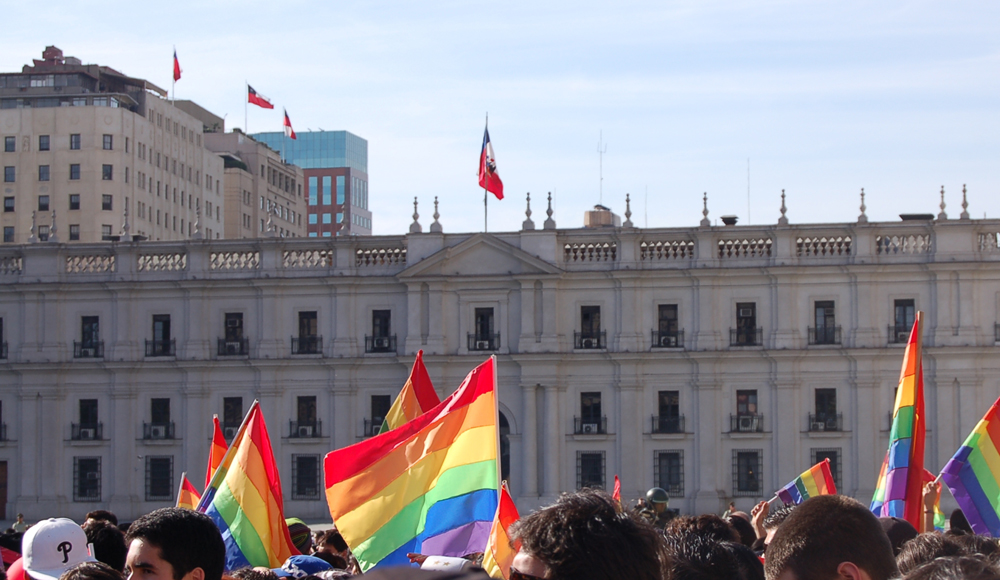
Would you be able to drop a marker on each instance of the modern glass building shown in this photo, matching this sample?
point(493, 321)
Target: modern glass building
point(335, 165)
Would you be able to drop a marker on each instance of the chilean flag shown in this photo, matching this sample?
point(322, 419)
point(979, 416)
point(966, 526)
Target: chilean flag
point(289, 132)
point(488, 178)
point(177, 67)
point(255, 98)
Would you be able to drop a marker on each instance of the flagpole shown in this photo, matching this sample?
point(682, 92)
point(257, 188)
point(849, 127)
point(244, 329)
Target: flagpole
point(486, 227)
point(284, 134)
point(180, 488)
point(246, 99)
point(173, 84)
point(496, 415)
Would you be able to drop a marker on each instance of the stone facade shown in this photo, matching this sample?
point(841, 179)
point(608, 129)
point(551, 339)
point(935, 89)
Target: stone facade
point(717, 361)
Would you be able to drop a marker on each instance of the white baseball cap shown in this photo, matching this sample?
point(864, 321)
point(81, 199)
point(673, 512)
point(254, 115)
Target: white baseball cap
point(53, 546)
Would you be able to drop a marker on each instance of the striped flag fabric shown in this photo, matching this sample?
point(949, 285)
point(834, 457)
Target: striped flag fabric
point(899, 490)
point(244, 499)
point(817, 480)
point(417, 397)
point(187, 496)
point(255, 98)
point(499, 553)
point(289, 132)
point(216, 452)
point(177, 67)
point(973, 475)
point(428, 487)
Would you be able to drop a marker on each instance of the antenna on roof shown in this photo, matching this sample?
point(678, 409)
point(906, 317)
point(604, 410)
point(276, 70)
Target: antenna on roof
point(602, 148)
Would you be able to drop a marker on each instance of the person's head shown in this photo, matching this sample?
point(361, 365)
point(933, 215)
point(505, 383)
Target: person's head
point(830, 537)
point(899, 532)
point(959, 523)
point(334, 560)
point(709, 525)
point(53, 546)
point(657, 499)
point(92, 571)
point(744, 528)
point(584, 535)
point(301, 566)
point(108, 541)
point(333, 542)
point(300, 534)
point(956, 568)
point(748, 563)
point(924, 548)
point(20, 518)
point(732, 505)
point(251, 573)
point(102, 515)
point(174, 544)
point(700, 557)
point(774, 519)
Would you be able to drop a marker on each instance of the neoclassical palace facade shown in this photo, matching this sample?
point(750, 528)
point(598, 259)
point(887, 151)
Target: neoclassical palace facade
point(715, 362)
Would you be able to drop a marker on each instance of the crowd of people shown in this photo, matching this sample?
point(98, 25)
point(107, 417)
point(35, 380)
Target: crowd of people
point(584, 535)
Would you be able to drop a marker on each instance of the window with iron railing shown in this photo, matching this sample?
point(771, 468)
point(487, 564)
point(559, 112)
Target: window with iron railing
point(159, 478)
point(748, 469)
point(668, 469)
point(87, 479)
point(305, 476)
point(590, 469)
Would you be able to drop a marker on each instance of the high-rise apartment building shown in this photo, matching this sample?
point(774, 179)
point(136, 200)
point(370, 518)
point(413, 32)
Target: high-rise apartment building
point(90, 153)
point(335, 164)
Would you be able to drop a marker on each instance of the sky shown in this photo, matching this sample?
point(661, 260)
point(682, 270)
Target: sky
point(739, 100)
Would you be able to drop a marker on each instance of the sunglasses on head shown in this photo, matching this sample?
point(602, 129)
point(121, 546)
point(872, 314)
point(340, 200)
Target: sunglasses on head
point(515, 574)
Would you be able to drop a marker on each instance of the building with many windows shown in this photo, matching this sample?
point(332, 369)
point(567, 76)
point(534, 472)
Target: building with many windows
point(715, 362)
point(335, 164)
point(90, 154)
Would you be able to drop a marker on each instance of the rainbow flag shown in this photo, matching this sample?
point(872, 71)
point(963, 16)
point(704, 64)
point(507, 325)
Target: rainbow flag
point(429, 486)
point(817, 480)
point(900, 482)
point(499, 553)
point(417, 397)
point(216, 452)
point(244, 499)
point(973, 475)
point(187, 496)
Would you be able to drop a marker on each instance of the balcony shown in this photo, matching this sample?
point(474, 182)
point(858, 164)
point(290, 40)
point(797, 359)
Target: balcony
point(673, 339)
point(485, 342)
point(86, 431)
point(590, 340)
point(590, 425)
point(94, 349)
point(380, 343)
point(746, 423)
point(373, 425)
point(824, 335)
point(161, 347)
point(158, 430)
point(237, 347)
point(307, 345)
point(667, 424)
point(305, 429)
point(826, 422)
point(899, 334)
point(746, 336)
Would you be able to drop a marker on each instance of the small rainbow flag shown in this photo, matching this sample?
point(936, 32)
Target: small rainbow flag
point(187, 496)
point(244, 499)
point(417, 397)
point(817, 480)
point(429, 486)
point(973, 475)
point(499, 553)
point(899, 490)
point(216, 452)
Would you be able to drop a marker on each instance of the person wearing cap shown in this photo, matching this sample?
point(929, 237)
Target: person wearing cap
point(301, 535)
point(174, 544)
point(53, 546)
point(301, 566)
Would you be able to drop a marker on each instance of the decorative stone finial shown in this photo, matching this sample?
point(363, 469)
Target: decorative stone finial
point(550, 224)
point(628, 213)
point(783, 220)
point(125, 225)
point(436, 226)
point(527, 224)
point(52, 229)
point(704, 211)
point(197, 235)
point(415, 226)
point(863, 219)
point(965, 205)
point(942, 216)
point(31, 237)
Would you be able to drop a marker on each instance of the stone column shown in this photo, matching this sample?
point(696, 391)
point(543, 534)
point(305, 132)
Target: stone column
point(708, 458)
point(553, 442)
point(529, 441)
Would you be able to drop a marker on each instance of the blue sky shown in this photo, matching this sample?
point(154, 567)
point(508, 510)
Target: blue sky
point(823, 98)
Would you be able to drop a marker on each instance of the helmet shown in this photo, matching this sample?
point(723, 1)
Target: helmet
point(657, 495)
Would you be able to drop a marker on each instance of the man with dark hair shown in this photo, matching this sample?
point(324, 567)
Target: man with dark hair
point(102, 515)
point(585, 535)
point(700, 557)
point(708, 525)
point(830, 537)
point(956, 568)
point(108, 541)
point(174, 544)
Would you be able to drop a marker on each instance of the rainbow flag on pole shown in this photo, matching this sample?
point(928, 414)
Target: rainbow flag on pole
point(817, 480)
point(244, 499)
point(499, 553)
point(187, 496)
point(417, 397)
point(429, 486)
point(973, 475)
point(216, 452)
point(900, 483)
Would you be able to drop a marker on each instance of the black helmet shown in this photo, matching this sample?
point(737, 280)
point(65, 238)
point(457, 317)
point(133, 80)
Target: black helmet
point(657, 495)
